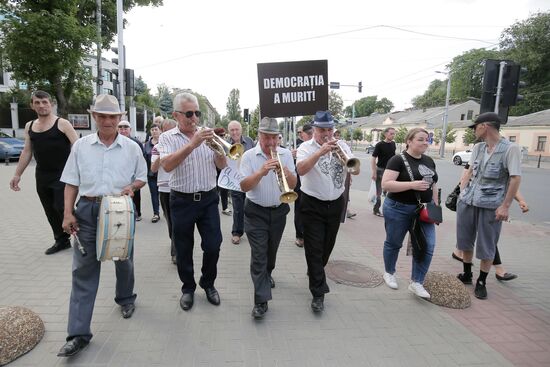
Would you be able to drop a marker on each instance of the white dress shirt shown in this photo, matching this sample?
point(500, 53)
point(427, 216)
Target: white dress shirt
point(99, 170)
point(163, 177)
point(267, 192)
point(197, 172)
point(326, 179)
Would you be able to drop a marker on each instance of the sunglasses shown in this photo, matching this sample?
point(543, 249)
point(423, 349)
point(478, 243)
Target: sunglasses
point(189, 114)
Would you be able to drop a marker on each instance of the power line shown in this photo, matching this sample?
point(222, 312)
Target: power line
point(277, 43)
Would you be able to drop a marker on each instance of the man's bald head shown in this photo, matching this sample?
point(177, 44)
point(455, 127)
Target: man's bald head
point(235, 130)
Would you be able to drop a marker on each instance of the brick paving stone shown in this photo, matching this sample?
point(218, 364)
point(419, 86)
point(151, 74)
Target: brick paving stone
point(360, 327)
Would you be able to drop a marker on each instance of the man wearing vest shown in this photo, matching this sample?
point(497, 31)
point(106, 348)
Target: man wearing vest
point(487, 190)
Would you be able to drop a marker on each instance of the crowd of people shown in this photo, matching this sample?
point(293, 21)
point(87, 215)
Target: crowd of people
point(181, 170)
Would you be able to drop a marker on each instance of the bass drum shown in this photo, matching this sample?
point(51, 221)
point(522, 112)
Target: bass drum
point(115, 228)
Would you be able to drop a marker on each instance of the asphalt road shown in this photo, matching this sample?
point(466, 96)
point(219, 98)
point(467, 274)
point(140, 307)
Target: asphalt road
point(535, 187)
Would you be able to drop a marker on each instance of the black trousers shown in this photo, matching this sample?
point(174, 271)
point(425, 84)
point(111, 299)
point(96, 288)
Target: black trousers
point(137, 201)
point(52, 199)
point(187, 212)
point(264, 228)
point(298, 226)
point(321, 223)
point(165, 204)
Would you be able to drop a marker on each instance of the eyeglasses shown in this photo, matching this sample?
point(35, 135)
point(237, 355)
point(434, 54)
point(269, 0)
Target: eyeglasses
point(189, 114)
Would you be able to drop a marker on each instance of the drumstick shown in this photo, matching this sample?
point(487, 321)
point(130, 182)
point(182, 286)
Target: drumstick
point(78, 244)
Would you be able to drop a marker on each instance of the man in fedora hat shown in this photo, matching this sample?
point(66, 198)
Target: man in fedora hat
point(264, 214)
point(487, 188)
point(49, 139)
point(322, 176)
point(105, 163)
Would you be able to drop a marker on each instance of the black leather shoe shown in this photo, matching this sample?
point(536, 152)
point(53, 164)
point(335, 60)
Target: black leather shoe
point(212, 296)
point(465, 278)
point(186, 301)
point(317, 304)
point(72, 347)
point(271, 282)
point(506, 277)
point(480, 291)
point(259, 310)
point(58, 247)
point(127, 310)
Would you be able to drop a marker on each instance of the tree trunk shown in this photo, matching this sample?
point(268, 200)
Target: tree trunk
point(62, 107)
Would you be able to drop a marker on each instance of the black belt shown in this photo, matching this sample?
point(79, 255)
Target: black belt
point(195, 196)
point(264, 207)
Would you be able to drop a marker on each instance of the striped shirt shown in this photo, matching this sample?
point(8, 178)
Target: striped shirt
point(197, 172)
point(326, 179)
point(267, 192)
point(163, 177)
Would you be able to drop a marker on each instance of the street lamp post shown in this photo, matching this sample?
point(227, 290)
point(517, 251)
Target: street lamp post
point(446, 116)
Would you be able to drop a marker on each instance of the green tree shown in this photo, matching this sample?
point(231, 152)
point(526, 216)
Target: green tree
point(527, 42)
point(450, 136)
point(335, 105)
point(254, 122)
point(233, 107)
point(304, 120)
point(400, 134)
point(384, 105)
point(368, 137)
point(357, 134)
point(433, 96)
point(59, 33)
point(143, 95)
point(469, 137)
point(367, 105)
point(164, 99)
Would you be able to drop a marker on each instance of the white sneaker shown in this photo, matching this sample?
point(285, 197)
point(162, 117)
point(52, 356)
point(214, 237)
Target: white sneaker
point(227, 211)
point(419, 290)
point(390, 280)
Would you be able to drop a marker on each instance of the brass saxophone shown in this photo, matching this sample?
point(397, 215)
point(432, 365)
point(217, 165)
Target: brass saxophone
point(287, 195)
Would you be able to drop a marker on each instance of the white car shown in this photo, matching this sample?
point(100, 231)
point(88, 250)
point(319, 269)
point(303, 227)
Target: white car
point(462, 157)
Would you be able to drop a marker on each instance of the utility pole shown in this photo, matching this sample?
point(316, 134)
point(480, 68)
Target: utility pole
point(121, 54)
point(99, 78)
point(446, 116)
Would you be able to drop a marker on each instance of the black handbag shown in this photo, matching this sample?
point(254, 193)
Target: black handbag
point(452, 199)
point(417, 237)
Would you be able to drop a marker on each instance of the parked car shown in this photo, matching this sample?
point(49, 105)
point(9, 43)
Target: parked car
point(462, 157)
point(370, 149)
point(10, 147)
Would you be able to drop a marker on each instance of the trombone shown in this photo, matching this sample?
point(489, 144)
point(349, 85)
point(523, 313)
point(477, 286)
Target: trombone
point(287, 195)
point(219, 146)
point(351, 164)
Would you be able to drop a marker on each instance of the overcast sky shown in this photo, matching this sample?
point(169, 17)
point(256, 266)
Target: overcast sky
point(393, 47)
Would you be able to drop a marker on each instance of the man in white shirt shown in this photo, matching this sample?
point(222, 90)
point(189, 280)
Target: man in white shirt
point(322, 176)
point(264, 214)
point(105, 163)
point(193, 196)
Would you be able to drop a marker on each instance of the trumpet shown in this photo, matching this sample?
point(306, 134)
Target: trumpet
point(219, 146)
point(287, 195)
point(351, 164)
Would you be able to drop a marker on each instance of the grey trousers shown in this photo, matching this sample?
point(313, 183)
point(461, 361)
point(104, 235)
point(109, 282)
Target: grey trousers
point(264, 228)
point(86, 270)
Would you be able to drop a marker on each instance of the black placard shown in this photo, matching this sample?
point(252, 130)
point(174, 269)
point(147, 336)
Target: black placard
point(295, 88)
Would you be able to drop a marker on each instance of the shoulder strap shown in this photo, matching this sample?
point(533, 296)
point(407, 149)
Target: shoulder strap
point(409, 170)
point(30, 126)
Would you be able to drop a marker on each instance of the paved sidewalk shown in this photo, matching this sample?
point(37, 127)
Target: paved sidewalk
point(360, 327)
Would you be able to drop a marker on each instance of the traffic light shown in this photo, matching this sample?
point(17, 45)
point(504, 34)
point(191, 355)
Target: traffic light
point(509, 87)
point(360, 87)
point(129, 82)
point(245, 115)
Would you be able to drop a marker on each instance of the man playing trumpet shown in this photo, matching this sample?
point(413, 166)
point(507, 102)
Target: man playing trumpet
point(266, 207)
point(193, 196)
point(322, 175)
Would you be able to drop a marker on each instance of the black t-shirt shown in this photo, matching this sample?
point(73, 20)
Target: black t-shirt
point(422, 169)
point(383, 151)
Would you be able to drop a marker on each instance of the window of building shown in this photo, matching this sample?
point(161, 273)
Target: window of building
point(512, 139)
point(462, 116)
point(541, 143)
point(108, 91)
point(470, 114)
point(107, 75)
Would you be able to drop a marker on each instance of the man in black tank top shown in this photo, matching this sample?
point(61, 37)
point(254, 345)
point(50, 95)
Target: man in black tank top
point(49, 139)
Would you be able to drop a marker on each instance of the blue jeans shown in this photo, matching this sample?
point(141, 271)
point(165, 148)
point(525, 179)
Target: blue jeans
point(154, 190)
point(397, 220)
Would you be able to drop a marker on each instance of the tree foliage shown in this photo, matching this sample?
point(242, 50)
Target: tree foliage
point(357, 134)
point(368, 105)
point(165, 97)
point(528, 43)
point(233, 106)
point(469, 137)
point(450, 137)
point(433, 96)
point(254, 122)
point(335, 105)
point(45, 42)
point(400, 134)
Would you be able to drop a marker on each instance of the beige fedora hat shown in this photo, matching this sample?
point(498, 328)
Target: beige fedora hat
point(106, 104)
